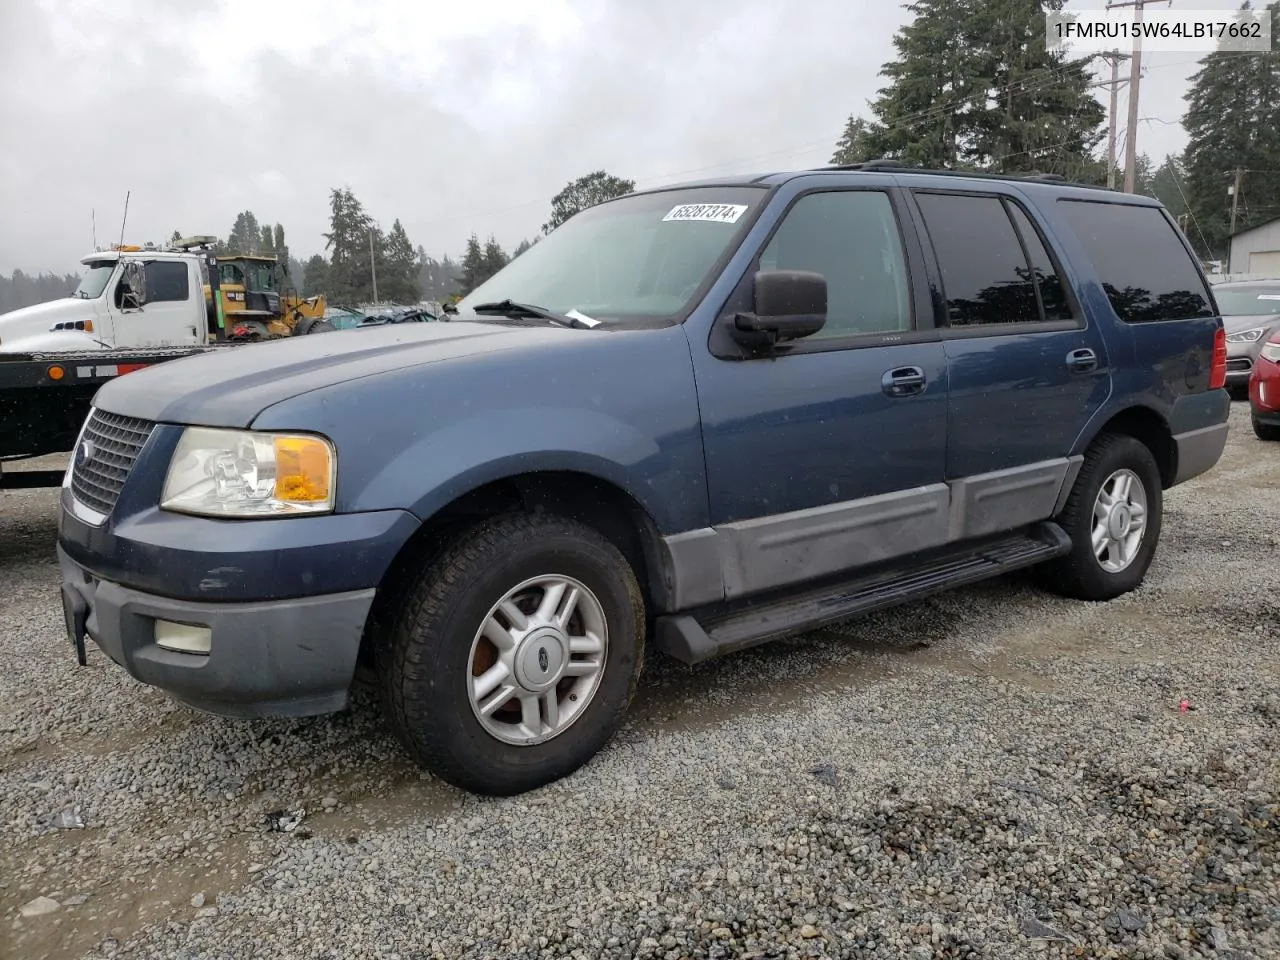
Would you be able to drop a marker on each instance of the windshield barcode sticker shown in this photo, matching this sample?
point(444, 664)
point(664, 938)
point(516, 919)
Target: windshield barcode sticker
point(708, 212)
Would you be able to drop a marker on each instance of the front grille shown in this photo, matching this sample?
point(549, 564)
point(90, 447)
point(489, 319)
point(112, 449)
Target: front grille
point(101, 464)
point(1241, 364)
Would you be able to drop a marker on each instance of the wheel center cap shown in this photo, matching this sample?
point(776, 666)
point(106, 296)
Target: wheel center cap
point(540, 659)
point(1121, 520)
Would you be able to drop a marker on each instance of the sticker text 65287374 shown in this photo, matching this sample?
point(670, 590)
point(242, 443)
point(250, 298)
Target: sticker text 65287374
point(708, 212)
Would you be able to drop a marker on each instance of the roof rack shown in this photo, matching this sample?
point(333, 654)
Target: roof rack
point(897, 166)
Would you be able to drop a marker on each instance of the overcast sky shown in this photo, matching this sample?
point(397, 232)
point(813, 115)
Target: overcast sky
point(453, 115)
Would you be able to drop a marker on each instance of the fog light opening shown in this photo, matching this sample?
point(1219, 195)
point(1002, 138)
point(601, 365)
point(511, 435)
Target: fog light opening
point(183, 637)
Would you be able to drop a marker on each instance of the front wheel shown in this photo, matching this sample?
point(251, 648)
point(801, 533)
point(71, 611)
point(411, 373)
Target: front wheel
point(1113, 518)
point(514, 656)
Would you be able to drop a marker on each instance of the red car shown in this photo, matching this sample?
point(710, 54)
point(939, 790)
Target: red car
point(1264, 391)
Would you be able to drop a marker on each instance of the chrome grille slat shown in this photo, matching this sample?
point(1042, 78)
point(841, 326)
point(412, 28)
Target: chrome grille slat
point(117, 441)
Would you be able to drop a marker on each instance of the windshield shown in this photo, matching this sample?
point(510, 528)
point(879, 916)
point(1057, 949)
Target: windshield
point(640, 256)
point(95, 279)
point(1248, 301)
point(261, 276)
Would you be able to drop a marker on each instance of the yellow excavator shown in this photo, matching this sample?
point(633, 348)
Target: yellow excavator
point(255, 297)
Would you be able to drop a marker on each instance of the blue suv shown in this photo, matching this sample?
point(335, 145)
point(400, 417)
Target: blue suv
point(689, 420)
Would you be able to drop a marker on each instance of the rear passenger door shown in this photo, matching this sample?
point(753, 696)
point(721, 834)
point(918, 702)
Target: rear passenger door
point(1026, 371)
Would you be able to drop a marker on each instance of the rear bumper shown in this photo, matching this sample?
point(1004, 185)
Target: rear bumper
point(1199, 450)
point(292, 657)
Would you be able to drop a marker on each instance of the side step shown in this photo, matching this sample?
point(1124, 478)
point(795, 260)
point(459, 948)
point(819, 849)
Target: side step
point(694, 637)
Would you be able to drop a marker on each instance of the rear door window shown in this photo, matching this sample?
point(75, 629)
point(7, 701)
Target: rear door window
point(985, 272)
point(1144, 266)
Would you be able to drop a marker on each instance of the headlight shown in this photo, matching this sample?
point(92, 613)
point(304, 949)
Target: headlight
point(1271, 351)
point(241, 473)
point(1252, 335)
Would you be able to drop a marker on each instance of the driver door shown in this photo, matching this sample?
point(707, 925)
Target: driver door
point(831, 454)
point(169, 316)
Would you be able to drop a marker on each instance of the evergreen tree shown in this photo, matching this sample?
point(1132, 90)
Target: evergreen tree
point(246, 236)
point(1167, 185)
point(1233, 122)
point(585, 192)
point(473, 266)
point(973, 87)
point(267, 242)
point(22, 290)
point(399, 265)
point(1142, 176)
point(524, 245)
point(494, 257)
point(1041, 113)
point(350, 276)
point(315, 276)
point(278, 244)
point(856, 145)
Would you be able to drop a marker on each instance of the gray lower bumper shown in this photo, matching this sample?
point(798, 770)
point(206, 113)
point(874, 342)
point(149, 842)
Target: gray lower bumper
point(1199, 450)
point(274, 658)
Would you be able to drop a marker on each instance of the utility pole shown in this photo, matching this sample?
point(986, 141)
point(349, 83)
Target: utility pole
point(1135, 78)
point(1235, 200)
point(1114, 59)
point(373, 265)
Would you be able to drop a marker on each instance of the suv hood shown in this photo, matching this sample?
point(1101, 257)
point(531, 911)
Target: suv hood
point(1234, 324)
point(230, 385)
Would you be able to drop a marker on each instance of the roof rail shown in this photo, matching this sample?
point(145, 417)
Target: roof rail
point(897, 166)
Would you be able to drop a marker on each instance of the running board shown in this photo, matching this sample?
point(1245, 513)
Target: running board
point(693, 637)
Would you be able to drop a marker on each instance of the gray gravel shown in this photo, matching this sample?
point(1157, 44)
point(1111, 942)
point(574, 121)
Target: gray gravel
point(994, 773)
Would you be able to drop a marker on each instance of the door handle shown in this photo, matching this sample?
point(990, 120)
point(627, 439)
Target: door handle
point(1083, 360)
point(903, 381)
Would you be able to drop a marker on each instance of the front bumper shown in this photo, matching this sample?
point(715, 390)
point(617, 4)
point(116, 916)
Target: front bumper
point(1264, 392)
point(292, 657)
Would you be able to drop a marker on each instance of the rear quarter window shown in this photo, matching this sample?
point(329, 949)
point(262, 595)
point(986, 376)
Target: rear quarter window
point(1144, 266)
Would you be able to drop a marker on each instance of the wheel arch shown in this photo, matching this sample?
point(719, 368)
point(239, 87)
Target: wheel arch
point(1147, 426)
point(576, 495)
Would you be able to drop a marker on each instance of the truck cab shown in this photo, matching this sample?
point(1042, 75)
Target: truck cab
point(127, 298)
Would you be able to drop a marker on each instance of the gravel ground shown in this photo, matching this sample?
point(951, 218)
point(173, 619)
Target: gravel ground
point(994, 773)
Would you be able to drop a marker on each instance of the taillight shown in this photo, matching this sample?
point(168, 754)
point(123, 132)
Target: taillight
point(1218, 371)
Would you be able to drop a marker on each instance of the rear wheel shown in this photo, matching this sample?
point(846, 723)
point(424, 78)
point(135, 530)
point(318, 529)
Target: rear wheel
point(1113, 517)
point(515, 654)
point(1265, 431)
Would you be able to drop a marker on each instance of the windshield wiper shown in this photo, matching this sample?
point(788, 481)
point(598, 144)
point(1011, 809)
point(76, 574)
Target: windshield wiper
point(511, 308)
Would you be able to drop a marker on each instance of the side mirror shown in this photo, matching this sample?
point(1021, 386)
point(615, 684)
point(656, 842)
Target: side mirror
point(789, 304)
point(134, 276)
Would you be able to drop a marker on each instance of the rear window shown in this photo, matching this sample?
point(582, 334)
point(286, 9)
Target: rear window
point(1138, 255)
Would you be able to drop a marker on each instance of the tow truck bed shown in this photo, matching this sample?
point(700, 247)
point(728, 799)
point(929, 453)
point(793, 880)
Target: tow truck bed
point(45, 397)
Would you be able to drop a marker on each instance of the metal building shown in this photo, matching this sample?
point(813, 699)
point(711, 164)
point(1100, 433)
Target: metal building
point(1256, 251)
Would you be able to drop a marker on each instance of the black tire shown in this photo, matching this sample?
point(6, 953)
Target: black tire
point(1080, 574)
point(425, 659)
point(1265, 431)
point(308, 325)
